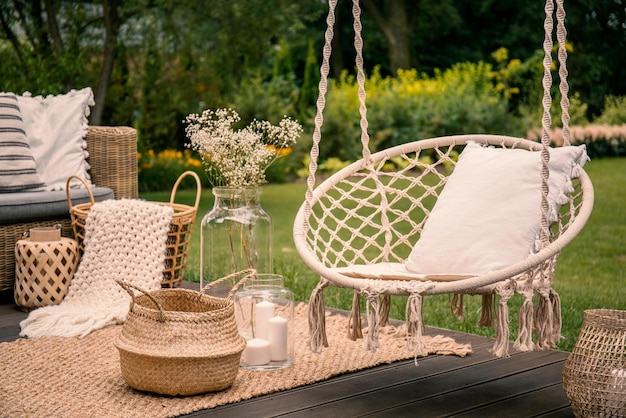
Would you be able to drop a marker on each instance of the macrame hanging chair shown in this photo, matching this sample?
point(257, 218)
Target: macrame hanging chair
point(460, 215)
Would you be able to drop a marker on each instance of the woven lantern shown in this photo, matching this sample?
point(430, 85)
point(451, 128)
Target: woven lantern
point(44, 266)
point(594, 374)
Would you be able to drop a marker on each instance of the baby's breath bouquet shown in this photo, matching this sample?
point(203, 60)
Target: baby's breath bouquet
point(237, 233)
point(238, 158)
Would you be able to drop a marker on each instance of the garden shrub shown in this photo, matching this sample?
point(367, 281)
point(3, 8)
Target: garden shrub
point(614, 112)
point(265, 100)
point(159, 171)
point(601, 140)
point(409, 107)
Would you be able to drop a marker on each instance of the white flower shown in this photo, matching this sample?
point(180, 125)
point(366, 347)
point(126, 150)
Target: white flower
point(238, 158)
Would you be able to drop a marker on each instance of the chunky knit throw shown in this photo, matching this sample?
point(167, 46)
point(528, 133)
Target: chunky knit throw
point(124, 240)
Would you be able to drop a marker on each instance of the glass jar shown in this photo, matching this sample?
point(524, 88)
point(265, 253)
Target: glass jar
point(235, 235)
point(264, 312)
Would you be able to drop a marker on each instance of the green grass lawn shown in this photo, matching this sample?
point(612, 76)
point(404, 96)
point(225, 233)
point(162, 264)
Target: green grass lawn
point(591, 271)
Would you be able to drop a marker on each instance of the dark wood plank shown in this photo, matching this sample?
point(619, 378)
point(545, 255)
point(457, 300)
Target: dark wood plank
point(433, 388)
point(10, 317)
point(541, 402)
point(565, 412)
point(474, 390)
point(381, 389)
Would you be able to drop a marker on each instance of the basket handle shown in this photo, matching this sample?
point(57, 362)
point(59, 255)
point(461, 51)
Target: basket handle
point(198, 187)
point(67, 190)
point(128, 287)
point(249, 273)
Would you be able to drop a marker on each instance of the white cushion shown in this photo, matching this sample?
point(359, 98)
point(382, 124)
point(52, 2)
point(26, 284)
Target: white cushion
point(394, 271)
point(488, 215)
point(56, 127)
point(18, 171)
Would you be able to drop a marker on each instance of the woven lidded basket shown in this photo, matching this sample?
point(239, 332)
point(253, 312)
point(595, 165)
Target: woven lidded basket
point(178, 236)
point(45, 264)
point(180, 341)
point(594, 374)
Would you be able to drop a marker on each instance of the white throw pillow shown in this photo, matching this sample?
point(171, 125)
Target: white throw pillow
point(488, 215)
point(18, 171)
point(56, 127)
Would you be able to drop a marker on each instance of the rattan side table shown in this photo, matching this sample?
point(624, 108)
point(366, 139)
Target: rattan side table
point(45, 264)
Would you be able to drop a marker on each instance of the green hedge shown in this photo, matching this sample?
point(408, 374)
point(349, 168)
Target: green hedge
point(409, 107)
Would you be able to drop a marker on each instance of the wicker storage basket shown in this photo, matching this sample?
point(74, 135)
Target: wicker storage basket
point(180, 341)
point(178, 237)
point(594, 374)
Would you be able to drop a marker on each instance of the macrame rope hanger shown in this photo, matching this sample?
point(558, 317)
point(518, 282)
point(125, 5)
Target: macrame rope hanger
point(358, 46)
point(317, 238)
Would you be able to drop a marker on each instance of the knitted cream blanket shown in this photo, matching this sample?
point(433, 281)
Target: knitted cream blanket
point(124, 239)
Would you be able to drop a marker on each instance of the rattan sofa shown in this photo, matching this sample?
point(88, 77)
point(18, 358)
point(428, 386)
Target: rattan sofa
point(113, 161)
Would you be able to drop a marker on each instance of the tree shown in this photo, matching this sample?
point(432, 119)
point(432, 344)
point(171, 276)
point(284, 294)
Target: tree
point(54, 55)
point(38, 51)
point(309, 90)
point(597, 30)
point(112, 23)
point(395, 27)
point(408, 26)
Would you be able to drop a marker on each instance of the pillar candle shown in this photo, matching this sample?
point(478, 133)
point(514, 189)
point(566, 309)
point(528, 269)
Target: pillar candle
point(277, 335)
point(257, 352)
point(263, 311)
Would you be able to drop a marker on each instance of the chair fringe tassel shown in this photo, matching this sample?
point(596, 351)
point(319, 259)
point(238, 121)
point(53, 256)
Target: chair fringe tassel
point(456, 306)
point(504, 290)
point(317, 317)
point(488, 312)
point(414, 327)
point(544, 319)
point(557, 320)
point(524, 341)
point(548, 318)
point(354, 320)
point(373, 320)
point(385, 308)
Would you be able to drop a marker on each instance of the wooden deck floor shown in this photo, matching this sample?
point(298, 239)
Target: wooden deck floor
point(479, 385)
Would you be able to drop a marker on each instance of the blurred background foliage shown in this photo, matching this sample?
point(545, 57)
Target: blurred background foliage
point(456, 67)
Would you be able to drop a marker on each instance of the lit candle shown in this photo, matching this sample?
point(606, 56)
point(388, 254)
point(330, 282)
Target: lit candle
point(277, 335)
point(257, 352)
point(263, 311)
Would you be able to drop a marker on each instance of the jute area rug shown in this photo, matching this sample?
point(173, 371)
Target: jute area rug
point(80, 377)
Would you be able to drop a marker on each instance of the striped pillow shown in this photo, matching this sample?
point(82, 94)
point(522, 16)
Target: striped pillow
point(17, 165)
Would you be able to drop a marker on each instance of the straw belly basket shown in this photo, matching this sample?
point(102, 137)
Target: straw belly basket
point(179, 342)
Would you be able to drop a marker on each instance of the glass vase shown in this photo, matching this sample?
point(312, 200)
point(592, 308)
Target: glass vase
point(264, 313)
point(235, 235)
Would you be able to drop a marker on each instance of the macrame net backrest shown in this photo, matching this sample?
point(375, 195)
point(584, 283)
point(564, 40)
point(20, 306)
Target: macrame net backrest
point(365, 214)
